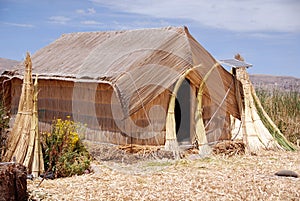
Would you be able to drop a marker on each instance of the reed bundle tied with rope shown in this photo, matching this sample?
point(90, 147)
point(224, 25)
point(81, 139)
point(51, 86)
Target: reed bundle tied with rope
point(259, 131)
point(23, 144)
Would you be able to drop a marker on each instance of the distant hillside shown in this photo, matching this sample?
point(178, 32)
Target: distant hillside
point(7, 64)
point(285, 83)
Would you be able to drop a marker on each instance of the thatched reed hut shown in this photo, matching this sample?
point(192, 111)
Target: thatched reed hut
point(121, 84)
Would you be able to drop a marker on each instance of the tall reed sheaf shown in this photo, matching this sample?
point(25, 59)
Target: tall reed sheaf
point(284, 109)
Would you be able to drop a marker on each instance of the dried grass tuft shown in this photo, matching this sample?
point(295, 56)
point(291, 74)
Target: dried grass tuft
point(230, 148)
point(243, 177)
point(129, 154)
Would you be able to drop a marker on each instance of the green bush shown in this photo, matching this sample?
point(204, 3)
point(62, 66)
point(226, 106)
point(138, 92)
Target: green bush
point(64, 153)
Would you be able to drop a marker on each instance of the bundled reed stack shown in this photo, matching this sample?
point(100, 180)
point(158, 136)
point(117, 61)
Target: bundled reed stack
point(24, 142)
point(255, 133)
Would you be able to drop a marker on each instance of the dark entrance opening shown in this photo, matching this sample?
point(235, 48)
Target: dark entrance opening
point(183, 113)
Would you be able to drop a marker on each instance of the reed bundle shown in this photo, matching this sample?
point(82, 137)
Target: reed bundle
point(259, 131)
point(23, 142)
point(201, 137)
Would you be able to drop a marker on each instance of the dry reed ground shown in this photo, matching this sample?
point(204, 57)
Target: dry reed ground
point(241, 177)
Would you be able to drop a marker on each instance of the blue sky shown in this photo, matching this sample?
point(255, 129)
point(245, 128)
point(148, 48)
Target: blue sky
point(265, 32)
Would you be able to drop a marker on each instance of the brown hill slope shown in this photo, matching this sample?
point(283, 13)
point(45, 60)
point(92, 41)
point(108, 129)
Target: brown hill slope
point(270, 82)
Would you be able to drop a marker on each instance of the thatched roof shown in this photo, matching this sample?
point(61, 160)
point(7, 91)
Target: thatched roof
point(140, 64)
point(98, 55)
point(7, 64)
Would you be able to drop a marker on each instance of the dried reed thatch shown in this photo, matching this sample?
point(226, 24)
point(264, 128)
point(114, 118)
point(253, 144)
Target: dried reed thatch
point(171, 143)
point(201, 138)
point(241, 177)
point(230, 148)
point(255, 121)
point(270, 125)
point(168, 58)
point(134, 148)
point(23, 143)
point(79, 73)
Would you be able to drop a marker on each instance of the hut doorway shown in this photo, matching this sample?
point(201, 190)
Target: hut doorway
point(183, 113)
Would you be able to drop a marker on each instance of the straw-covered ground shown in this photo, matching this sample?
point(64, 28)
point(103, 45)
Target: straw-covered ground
point(240, 177)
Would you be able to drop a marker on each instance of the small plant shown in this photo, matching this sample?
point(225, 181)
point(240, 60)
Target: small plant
point(64, 153)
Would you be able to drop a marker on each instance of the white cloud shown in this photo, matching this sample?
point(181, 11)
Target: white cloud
point(89, 11)
point(59, 19)
point(264, 35)
point(90, 22)
point(233, 15)
point(19, 25)
point(80, 11)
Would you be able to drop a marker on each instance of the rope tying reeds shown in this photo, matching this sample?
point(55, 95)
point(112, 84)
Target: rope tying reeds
point(219, 106)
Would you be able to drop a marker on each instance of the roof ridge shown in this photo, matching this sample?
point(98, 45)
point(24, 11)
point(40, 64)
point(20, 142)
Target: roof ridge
point(183, 28)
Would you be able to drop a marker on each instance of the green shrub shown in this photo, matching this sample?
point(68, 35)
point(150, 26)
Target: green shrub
point(64, 153)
